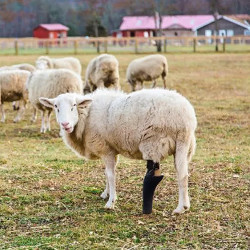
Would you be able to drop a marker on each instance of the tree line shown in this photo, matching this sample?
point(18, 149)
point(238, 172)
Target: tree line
point(18, 18)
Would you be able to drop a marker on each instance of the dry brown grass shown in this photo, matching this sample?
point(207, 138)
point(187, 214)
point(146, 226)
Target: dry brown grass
point(49, 199)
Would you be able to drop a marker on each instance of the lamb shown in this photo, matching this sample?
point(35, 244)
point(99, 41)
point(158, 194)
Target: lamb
point(147, 68)
point(51, 83)
point(146, 124)
point(12, 88)
point(72, 63)
point(102, 71)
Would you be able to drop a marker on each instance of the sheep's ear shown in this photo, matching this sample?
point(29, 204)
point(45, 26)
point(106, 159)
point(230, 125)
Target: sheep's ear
point(83, 102)
point(47, 102)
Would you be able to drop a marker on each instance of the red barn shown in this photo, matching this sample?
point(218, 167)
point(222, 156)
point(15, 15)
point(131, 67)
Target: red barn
point(53, 30)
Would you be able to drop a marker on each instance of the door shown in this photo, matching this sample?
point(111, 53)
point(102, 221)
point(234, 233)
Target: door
point(208, 33)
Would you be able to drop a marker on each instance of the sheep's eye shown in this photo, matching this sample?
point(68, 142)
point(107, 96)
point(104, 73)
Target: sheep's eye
point(58, 110)
point(74, 104)
point(55, 106)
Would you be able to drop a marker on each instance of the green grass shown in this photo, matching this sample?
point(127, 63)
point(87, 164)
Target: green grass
point(50, 199)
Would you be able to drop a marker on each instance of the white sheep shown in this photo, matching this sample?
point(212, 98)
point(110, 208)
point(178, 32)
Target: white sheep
point(22, 66)
point(51, 83)
point(147, 68)
point(72, 63)
point(12, 88)
point(102, 71)
point(147, 124)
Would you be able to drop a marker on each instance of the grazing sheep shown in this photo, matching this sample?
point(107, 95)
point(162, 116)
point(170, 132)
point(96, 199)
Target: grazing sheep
point(102, 71)
point(51, 83)
point(22, 66)
point(147, 68)
point(147, 124)
point(72, 63)
point(12, 88)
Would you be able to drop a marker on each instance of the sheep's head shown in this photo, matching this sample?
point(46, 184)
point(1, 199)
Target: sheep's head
point(67, 108)
point(43, 63)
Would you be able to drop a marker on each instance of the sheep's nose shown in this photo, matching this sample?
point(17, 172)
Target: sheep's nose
point(64, 124)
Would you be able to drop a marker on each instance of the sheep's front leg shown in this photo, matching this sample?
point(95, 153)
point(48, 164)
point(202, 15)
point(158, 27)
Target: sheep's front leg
point(110, 164)
point(154, 83)
point(43, 127)
point(2, 111)
point(48, 120)
point(15, 105)
point(34, 115)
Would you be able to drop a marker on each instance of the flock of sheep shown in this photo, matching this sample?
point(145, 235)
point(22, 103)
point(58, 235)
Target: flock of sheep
point(54, 76)
point(101, 123)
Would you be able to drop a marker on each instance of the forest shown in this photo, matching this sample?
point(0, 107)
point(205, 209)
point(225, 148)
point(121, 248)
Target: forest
point(18, 18)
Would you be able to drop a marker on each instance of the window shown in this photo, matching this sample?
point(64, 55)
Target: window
point(208, 32)
point(247, 32)
point(230, 32)
point(145, 34)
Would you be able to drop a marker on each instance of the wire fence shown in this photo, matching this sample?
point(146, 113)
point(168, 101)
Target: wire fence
point(82, 45)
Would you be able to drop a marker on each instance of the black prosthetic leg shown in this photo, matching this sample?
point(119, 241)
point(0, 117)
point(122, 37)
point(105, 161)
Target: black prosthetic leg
point(149, 185)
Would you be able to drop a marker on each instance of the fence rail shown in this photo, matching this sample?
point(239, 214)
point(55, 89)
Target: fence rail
point(79, 45)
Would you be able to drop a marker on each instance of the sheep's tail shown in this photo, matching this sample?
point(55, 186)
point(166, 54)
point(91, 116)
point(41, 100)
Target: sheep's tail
point(192, 147)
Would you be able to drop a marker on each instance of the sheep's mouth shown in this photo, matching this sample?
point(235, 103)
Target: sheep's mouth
point(69, 129)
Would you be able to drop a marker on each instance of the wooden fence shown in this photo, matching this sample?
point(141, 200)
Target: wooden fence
point(80, 45)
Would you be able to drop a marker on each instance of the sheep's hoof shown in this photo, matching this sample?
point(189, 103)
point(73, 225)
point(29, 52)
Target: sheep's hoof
point(104, 195)
point(110, 205)
point(180, 210)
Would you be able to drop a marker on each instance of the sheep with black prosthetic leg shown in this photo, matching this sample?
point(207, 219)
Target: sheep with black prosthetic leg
point(146, 124)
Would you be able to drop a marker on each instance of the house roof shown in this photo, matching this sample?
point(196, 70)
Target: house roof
point(238, 21)
point(191, 22)
point(148, 22)
point(53, 26)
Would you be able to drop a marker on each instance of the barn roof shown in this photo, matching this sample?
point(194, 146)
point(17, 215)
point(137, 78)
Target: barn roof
point(53, 26)
point(191, 22)
point(148, 22)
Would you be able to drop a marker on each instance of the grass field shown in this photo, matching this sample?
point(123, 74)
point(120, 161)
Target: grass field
point(142, 48)
point(50, 199)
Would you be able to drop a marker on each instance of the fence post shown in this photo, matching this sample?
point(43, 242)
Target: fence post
point(136, 46)
point(224, 44)
point(97, 44)
point(47, 47)
point(165, 45)
point(195, 42)
point(16, 48)
point(75, 47)
point(106, 46)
